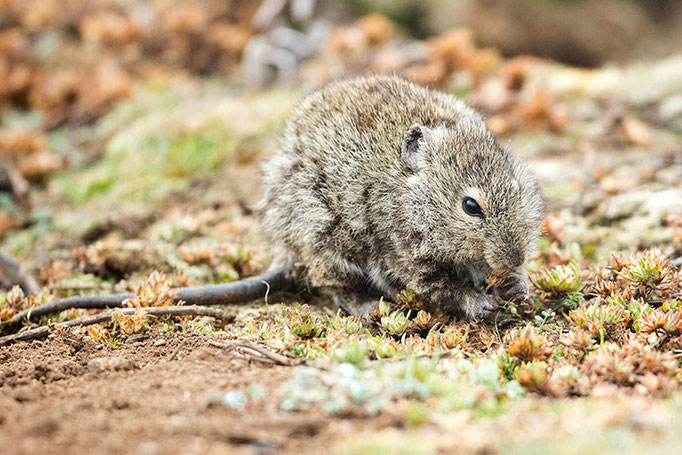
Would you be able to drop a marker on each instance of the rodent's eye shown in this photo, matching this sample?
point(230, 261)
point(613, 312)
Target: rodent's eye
point(471, 207)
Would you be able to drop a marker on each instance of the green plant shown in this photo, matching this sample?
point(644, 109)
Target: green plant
point(302, 323)
point(560, 281)
point(396, 322)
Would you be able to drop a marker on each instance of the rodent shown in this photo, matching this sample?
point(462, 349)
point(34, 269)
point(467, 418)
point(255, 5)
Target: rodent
point(381, 185)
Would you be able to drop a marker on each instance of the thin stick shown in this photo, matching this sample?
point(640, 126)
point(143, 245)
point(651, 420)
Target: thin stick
point(240, 291)
point(176, 351)
point(45, 330)
point(244, 344)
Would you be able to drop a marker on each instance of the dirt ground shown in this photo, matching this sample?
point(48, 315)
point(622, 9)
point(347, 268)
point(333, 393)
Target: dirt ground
point(157, 400)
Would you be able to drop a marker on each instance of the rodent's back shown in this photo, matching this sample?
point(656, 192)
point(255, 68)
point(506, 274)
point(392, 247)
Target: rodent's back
point(361, 122)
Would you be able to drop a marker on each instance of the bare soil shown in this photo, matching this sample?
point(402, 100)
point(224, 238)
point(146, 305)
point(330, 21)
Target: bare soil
point(154, 396)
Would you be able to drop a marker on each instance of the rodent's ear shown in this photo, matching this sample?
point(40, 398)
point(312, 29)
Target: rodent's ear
point(411, 151)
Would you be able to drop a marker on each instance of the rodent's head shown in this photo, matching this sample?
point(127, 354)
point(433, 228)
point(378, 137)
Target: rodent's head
point(478, 202)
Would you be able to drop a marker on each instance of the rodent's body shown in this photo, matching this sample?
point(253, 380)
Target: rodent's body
point(365, 197)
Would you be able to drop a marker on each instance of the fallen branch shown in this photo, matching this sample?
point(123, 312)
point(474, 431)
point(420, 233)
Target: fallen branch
point(240, 291)
point(45, 330)
point(248, 345)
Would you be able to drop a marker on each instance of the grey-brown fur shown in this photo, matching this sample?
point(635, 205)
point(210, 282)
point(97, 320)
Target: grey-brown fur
point(365, 198)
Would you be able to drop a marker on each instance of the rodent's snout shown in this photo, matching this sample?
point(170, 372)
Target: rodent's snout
point(507, 259)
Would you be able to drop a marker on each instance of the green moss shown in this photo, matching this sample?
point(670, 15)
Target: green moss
point(385, 444)
point(160, 141)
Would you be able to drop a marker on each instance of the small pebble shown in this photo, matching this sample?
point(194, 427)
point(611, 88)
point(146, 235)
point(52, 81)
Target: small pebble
point(235, 400)
point(136, 338)
point(110, 363)
point(160, 342)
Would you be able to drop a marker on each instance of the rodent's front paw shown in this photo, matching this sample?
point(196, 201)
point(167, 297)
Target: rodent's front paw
point(514, 289)
point(481, 307)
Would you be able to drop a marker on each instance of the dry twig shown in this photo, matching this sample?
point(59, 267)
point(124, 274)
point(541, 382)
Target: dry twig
point(45, 330)
point(250, 346)
point(176, 351)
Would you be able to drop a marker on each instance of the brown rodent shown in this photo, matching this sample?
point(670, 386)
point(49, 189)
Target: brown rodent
point(382, 185)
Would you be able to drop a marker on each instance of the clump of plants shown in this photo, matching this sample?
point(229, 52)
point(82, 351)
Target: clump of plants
point(404, 318)
point(547, 379)
point(560, 280)
point(349, 325)
point(91, 258)
point(646, 275)
point(99, 334)
point(371, 388)
point(650, 276)
point(454, 336)
point(395, 323)
point(606, 321)
point(577, 343)
point(560, 286)
point(662, 329)
point(633, 365)
point(528, 344)
point(130, 323)
point(226, 261)
point(301, 322)
point(11, 302)
point(15, 300)
point(155, 291)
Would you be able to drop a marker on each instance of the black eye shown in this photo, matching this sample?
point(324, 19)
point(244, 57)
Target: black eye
point(471, 207)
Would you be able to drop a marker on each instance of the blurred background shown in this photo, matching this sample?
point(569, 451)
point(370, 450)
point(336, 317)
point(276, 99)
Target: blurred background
point(138, 125)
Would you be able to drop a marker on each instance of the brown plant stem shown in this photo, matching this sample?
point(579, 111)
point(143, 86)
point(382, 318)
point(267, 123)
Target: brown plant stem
point(231, 345)
point(45, 330)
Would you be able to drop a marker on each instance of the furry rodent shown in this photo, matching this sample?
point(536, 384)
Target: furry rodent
point(381, 185)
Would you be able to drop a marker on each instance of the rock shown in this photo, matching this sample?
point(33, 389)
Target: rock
point(160, 342)
point(655, 204)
